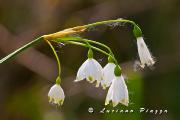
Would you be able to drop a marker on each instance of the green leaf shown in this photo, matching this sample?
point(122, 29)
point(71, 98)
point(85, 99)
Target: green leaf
point(21, 49)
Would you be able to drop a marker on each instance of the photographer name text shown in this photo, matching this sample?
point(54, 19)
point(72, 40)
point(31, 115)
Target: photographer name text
point(126, 111)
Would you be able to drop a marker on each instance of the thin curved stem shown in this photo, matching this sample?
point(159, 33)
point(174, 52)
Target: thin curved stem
point(84, 40)
point(98, 43)
point(95, 48)
point(57, 58)
point(137, 31)
point(110, 21)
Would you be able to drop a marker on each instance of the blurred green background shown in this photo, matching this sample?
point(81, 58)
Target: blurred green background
point(25, 81)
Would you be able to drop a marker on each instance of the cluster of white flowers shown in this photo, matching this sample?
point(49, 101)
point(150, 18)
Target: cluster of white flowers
point(108, 77)
point(92, 71)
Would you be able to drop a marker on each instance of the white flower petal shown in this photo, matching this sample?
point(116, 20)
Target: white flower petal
point(109, 95)
point(108, 75)
point(118, 92)
point(91, 70)
point(56, 94)
point(81, 74)
point(121, 90)
point(144, 54)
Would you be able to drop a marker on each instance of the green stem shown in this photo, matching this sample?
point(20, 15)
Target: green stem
point(84, 40)
point(57, 58)
point(97, 43)
point(110, 21)
point(13, 54)
point(95, 48)
point(137, 31)
point(87, 41)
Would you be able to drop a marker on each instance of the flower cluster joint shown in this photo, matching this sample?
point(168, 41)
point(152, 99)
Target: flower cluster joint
point(64, 33)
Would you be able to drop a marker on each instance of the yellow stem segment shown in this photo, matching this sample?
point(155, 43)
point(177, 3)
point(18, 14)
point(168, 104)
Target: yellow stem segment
point(64, 33)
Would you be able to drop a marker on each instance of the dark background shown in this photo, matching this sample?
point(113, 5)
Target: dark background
point(25, 81)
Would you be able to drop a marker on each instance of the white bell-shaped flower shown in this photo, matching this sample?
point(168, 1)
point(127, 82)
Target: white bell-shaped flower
point(90, 70)
point(56, 95)
point(118, 92)
point(144, 54)
point(108, 75)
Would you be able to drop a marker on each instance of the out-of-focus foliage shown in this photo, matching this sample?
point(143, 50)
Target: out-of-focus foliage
point(25, 81)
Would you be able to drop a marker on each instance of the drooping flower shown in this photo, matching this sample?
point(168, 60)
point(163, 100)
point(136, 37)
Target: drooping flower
point(108, 75)
point(56, 95)
point(144, 54)
point(90, 70)
point(118, 92)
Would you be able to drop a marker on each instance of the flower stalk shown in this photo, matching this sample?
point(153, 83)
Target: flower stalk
point(57, 58)
point(110, 21)
point(92, 47)
point(64, 33)
point(83, 40)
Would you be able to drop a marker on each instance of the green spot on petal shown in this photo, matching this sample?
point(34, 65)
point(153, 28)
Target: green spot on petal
point(90, 78)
